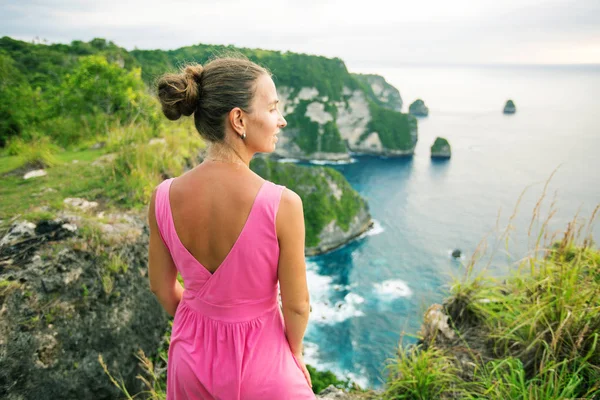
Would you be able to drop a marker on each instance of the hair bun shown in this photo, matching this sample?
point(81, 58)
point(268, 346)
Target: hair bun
point(179, 93)
point(194, 71)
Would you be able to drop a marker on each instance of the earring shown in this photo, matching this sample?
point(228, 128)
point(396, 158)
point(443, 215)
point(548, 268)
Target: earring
point(243, 136)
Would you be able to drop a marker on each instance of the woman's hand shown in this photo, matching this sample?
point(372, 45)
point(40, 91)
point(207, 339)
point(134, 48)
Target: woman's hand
point(300, 360)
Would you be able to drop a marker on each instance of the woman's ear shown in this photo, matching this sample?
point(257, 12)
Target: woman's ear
point(237, 119)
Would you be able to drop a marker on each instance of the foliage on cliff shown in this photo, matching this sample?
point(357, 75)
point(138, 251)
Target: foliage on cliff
point(388, 96)
point(314, 186)
point(394, 128)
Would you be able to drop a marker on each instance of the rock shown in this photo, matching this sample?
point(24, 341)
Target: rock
point(332, 393)
point(386, 94)
point(456, 253)
point(69, 227)
point(440, 148)
point(509, 107)
point(418, 108)
point(19, 230)
point(35, 174)
point(79, 203)
point(435, 323)
point(57, 317)
point(98, 145)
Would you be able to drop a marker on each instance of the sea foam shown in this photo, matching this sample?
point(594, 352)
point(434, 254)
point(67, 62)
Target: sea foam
point(325, 311)
point(392, 289)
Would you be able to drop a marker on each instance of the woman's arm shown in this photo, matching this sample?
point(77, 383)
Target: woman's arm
point(292, 269)
point(162, 272)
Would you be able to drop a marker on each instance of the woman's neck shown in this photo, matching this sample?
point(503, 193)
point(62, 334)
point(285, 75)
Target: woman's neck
point(226, 153)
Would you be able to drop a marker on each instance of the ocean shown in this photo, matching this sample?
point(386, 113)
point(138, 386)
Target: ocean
point(369, 293)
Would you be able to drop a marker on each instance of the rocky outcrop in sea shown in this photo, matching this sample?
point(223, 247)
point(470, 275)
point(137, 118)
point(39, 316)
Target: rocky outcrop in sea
point(509, 107)
point(418, 108)
point(440, 149)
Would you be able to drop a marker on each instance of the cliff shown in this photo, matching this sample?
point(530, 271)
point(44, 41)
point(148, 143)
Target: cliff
point(334, 212)
point(71, 289)
point(330, 112)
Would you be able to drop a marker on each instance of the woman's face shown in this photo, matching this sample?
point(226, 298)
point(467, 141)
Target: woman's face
point(265, 121)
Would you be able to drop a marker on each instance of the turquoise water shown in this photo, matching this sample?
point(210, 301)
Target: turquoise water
point(368, 292)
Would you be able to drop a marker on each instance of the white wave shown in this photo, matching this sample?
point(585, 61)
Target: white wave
point(288, 160)
point(339, 288)
point(324, 311)
point(376, 229)
point(333, 162)
point(311, 356)
point(311, 353)
point(392, 289)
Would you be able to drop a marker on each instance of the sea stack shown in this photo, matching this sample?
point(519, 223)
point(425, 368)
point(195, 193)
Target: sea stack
point(510, 108)
point(418, 108)
point(440, 148)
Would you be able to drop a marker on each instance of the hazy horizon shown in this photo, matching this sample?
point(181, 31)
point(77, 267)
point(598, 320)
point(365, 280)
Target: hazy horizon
point(358, 65)
point(487, 32)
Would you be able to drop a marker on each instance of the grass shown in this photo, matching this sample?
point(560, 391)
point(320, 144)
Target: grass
point(532, 335)
point(123, 182)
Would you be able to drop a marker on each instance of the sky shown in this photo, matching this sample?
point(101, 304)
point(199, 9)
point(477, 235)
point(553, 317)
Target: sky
point(372, 33)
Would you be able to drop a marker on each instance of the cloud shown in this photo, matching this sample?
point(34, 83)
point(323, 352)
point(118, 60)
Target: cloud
point(384, 33)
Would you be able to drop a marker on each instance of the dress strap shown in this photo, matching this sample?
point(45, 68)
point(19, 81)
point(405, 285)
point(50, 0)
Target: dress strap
point(162, 211)
point(272, 200)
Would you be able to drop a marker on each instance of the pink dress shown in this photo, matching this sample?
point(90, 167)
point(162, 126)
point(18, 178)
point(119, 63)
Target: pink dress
point(228, 339)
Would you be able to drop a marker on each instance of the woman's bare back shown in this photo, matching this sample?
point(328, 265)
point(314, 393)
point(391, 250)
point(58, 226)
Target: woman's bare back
point(210, 206)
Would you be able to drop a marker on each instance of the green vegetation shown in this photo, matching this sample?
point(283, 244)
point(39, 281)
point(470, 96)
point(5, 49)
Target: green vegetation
point(393, 101)
point(309, 137)
point(418, 108)
point(510, 104)
point(70, 94)
point(439, 144)
point(532, 335)
point(320, 207)
point(327, 75)
point(394, 129)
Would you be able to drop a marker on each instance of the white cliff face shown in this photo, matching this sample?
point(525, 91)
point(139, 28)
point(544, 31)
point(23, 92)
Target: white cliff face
point(380, 91)
point(335, 190)
point(286, 104)
point(371, 143)
point(352, 120)
point(307, 94)
point(316, 112)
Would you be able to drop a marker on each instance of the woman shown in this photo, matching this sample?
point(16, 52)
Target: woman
point(233, 236)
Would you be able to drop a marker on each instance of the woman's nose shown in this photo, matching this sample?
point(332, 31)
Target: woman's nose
point(282, 122)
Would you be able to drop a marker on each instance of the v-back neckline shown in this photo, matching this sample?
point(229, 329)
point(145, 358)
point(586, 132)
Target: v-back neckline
point(180, 243)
